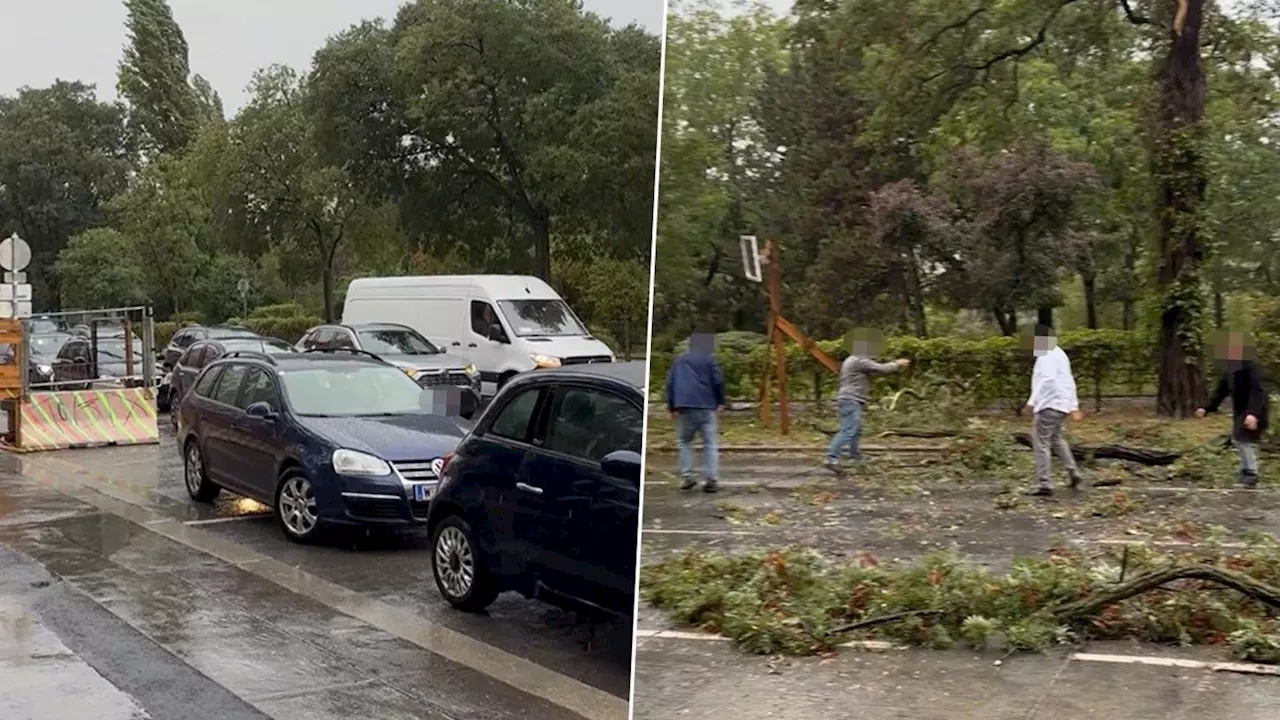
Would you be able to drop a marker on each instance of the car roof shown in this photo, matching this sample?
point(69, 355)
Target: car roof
point(308, 360)
point(630, 373)
point(376, 326)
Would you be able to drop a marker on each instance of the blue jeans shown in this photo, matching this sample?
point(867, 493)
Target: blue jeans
point(690, 424)
point(850, 431)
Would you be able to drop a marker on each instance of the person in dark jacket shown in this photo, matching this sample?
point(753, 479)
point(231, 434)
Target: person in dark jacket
point(1241, 381)
point(695, 395)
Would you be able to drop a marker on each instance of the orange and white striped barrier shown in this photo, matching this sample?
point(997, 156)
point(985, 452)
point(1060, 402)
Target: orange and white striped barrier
point(86, 418)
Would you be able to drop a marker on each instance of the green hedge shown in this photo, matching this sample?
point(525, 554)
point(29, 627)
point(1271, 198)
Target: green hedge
point(1104, 362)
point(288, 328)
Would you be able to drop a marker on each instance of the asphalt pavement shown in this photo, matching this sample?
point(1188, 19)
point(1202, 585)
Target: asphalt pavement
point(226, 615)
point(769, 500)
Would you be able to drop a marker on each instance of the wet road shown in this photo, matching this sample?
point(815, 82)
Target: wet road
point(769, 500)
point(349, 629)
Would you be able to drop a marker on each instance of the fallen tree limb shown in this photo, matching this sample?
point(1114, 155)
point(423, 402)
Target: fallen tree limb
point(919, 433)
point(883, 620)
point(1113, 452)
point(1095, 603)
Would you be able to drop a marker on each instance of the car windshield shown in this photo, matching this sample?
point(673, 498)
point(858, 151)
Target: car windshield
point(46, 346)
point(356, 389)
point(534, 318)
point(270, 346)
point(112, 350)
point(44, 326)
point(230, 332)
point(396, 341)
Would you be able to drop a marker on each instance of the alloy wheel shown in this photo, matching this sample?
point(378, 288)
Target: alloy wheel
point(455, 562)
point(298, 506)
point(194, 469)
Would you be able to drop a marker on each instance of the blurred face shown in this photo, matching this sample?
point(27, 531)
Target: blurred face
point(1038, 344)
point(704, 343)
point(1230, 346)
point(864, 342)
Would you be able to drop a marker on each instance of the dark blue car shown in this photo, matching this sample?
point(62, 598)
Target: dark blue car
point(542, 497)
point(325, 438)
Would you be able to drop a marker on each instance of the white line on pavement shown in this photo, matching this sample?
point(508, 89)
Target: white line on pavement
point(237, 518)
point(653, 531)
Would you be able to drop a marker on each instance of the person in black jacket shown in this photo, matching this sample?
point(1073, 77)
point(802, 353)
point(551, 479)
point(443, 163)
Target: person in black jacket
point(1241, 381)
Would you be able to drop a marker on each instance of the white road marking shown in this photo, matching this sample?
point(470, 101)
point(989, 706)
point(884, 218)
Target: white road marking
point(1160, 543)
point(235, 518)
point(1160, 661)
point(656, 531)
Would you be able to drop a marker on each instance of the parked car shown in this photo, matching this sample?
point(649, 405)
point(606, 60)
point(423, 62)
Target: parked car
point(187, 336)
point(42, 350)
point(502, 324)
point(74, 364)
point(183, 375)
point(402, 346)
point(542, 496)
point(328, 439)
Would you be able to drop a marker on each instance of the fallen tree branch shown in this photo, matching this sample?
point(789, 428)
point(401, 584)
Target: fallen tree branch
point(918, 433)
point(1112, 452)
point(1095, 603)
point(883, 620)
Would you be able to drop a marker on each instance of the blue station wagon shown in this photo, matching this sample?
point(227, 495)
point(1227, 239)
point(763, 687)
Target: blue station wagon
point(325, 438)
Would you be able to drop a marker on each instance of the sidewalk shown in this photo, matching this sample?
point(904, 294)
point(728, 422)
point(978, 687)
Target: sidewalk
point(40, 677)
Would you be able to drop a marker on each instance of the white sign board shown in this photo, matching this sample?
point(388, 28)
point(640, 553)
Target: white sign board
point(15, 253)
point(19, 309)
point(11, 292)
point(750, 257)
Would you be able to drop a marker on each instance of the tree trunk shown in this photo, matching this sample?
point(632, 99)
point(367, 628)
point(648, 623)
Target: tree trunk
point(1007, 320)
point(542, 243)
point(1219, 309)
point(1131, 271)
point(1090, 279)
point(1044, 316)
point(1179, 169)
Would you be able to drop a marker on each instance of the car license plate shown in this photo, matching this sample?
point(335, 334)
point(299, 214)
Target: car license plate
point(421, 493)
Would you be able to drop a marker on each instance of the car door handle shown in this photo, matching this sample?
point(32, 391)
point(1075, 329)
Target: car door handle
point(529, 488)
point(456, 343)
point(472, 345)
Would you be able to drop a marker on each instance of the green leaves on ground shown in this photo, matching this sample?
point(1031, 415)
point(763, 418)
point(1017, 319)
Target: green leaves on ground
point(794, 601)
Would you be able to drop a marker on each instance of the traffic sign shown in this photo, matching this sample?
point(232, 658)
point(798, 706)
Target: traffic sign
point(243, 286)
point(15, 253)
point(15, 277)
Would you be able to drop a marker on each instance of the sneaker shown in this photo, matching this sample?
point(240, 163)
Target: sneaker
point(1075, 481)
point(1041, 492)
point(1247, 480)
point(833, 466)
point(711, 486)
point(689, 483)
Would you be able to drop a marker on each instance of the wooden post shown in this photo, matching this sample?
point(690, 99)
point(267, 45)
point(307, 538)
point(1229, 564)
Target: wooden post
point(779, 341)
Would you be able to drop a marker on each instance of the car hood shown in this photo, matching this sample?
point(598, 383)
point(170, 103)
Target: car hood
point(440, 361)
point(400, 438)
point(568, 347)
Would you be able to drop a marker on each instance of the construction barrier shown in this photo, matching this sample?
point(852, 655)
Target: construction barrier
point(85, 418)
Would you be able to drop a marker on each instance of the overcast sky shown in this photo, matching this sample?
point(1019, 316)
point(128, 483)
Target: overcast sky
point(46, 40)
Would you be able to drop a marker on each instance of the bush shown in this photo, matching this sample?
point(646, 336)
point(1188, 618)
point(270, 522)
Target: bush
point(282, 310)
point(995, 369)
point(289, 329)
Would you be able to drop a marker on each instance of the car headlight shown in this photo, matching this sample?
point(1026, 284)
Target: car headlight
point(353, 462)
point(410, 371)
point(471, 370)
point(545, 361)
point(44, 369)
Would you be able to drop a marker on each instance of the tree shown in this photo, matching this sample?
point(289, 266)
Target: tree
point(167, 105)
point(474, 118)
point(62, 155)
point(286, 191)
point(99, 269)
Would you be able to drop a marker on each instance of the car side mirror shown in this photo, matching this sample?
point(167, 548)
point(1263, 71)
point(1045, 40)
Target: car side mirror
point(622, 465)
point(496, 334)
point(261, 410)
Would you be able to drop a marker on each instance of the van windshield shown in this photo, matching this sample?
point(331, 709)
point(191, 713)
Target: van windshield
point(540, 318)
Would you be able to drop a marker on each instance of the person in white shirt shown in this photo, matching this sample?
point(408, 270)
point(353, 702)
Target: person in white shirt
point(1053, 400)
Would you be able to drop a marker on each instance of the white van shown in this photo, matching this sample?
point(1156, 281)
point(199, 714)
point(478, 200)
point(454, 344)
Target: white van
point(502, 324)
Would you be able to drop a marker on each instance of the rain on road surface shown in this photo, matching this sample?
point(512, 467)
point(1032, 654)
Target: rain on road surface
point(771, 500)
point(119, 568)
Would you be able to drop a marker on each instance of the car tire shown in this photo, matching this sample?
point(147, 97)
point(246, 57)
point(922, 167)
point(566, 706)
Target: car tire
point(296, 507)
point(195, 476)
point(453, 552)
point(164, 403)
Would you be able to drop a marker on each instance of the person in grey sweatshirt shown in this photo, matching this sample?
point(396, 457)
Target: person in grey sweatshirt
point(855, 388)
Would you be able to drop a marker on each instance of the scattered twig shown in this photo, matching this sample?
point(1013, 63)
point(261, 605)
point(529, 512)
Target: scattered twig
point(883, 620)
